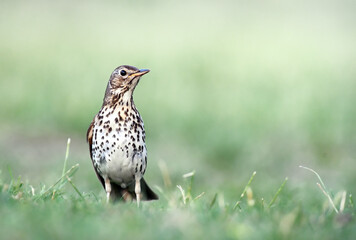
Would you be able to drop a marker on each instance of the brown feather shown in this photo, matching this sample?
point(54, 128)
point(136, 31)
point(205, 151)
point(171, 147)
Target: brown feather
point(90, 136)
point(90, 141)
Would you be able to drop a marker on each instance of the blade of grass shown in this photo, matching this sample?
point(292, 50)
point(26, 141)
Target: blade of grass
point(342, 202)
point(351, 201)
point(199, 196)
point(66, 157)
point(328, 196)
point(32, 190)
point(278, 192)
point(75, 188)
point(53, 194)
point(190, 174)
point(237, 204)
point(10, 172)
point(96, 198)
point(189, 192)
point(321, 181)
point(248, 184)
point(12, 178)
point(165, 173)
point(182, 192)
point(70, 172)
point(213, 201)
point(321, 185)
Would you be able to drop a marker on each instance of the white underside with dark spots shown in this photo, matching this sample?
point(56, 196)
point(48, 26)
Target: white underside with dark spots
point(118, 149)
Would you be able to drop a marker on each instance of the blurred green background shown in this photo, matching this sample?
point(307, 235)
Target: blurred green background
point(234, 87)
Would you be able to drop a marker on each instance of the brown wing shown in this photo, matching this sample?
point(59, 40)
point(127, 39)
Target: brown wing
point(90, 142)
point(90, 137)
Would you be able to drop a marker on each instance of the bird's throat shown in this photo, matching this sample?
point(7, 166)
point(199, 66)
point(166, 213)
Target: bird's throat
point(121, 100)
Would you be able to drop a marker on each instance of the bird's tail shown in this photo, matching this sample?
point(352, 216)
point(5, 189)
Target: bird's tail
point(127, 194)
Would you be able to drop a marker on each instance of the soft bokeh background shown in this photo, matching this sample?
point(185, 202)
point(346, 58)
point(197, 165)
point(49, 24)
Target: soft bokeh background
point(234, 87)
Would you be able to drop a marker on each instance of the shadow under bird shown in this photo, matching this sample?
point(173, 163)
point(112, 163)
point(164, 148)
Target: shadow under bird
point(116, 138)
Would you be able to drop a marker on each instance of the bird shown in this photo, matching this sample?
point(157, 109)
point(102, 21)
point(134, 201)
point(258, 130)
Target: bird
point(116, 139)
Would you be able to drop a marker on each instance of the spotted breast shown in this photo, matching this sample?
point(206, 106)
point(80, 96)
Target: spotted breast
point(119, 150)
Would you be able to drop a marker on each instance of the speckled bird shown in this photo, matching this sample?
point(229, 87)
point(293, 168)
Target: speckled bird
point(116, 138)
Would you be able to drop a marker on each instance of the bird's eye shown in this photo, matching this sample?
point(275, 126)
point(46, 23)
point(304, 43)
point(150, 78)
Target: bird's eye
point(122, 72)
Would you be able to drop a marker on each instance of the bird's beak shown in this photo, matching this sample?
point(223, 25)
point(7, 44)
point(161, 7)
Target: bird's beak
point(139, 73)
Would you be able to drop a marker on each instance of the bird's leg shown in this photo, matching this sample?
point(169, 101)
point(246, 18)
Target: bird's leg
point(107, 188)
point(138, 191)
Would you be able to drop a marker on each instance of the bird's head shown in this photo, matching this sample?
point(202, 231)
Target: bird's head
point(125, 78)
point(122, 82)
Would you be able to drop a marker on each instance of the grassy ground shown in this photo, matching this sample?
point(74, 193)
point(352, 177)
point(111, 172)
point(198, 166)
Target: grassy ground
point(235, 87)
point(59, 213)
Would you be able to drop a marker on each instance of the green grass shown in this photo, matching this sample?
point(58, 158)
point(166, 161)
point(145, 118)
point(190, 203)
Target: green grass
point(62, 211)
point(235, 87)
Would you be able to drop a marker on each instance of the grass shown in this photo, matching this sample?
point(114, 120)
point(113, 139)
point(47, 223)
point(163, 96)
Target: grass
point(63, 211)
point(235, 87)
